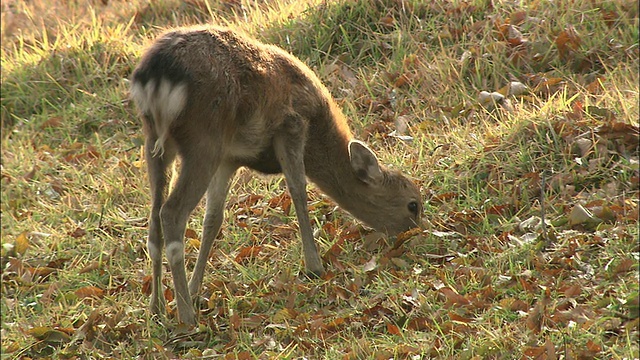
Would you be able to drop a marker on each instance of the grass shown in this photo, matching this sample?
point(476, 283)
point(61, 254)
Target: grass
point(482, 279)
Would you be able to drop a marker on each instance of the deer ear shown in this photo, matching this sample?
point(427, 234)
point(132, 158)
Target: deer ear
point(364, 163)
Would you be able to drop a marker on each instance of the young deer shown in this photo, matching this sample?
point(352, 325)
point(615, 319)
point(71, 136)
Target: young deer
point(220, 100)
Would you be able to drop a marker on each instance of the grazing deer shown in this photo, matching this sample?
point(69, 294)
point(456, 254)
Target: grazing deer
point(219, 101)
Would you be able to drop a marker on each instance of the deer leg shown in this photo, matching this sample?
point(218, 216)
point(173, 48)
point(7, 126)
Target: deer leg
point(157, 171)
point(289, 145)
point(216, 196)
point(195, 175)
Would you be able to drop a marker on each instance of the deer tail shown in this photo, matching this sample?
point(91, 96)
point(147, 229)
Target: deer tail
point(161, 101)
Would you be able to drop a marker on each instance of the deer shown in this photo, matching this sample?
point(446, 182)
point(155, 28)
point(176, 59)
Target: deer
point(219, 100)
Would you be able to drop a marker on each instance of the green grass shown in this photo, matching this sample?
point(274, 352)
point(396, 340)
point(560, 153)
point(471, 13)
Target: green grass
point(480, 280)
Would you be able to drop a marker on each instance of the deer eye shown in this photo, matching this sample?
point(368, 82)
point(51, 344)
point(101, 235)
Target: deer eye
point(413, 207)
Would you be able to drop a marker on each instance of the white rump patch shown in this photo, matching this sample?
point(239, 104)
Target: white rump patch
point(164, 102)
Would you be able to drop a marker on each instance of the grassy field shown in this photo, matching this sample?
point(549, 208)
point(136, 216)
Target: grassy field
point(518, 120)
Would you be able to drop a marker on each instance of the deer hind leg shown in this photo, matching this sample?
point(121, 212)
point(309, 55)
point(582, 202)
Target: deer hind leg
point(289, 143)
point(196, 171)
point(157, 172)
point(216, 196)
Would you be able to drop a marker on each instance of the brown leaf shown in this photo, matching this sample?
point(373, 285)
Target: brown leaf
point(388, 21)
point(90, 267)
point(420, 324)
point(455, 317)
point(453, 297)
point(378, 127)
point(533, 351)
point(610, 17)
point(41, 271)
point(519, 305)
point(393, 329)
point(378, 311)
point(624, 266)
point(283, 201)
point(89, 291)
point(15, 265)
point(518, 17)
point(77, 233)
point(168, 294)
point(595, 87)
point(593, 347)
point(374, 241)
point(57, 186)
point(49, 335)
point(549, 86)
point(52, 122)
point(29, 176)
point(242, 355)
point(22, 243)
point(402, 80)
point(573, 291)
point(370, 265)
point(534, 320)
point(514, 36)
point(90, 154)
point(49, 294)
point(567, 41)
point(57, 263)
point(550, 349)
point(191, 234)
point(248, 252)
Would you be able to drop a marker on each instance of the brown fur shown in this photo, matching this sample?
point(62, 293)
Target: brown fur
point(220, 100)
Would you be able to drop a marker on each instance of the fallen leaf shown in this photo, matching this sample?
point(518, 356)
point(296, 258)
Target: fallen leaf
point(52, 122)
point(248, 252)
point(22, 243)
point(168, 294)
point(534, 320)
point(453, 297)
point(593, 347)
point(420, 324)
point(550, 349)
point(595, 87)
point(573, 291)
point(90, 267)
point(282, 316)
point(89, 291)
point(517, 88)
point(518, 17)
point(534, 351)
point(41, 271)
point(393, 329)
point(49, 335)
point(77, 233)
point(567, 41)
point(580, 215)
point(624, 266)
point(388, 21)
point(190, 234)
point(370, 265)
point(402, 80)
point(29, 176)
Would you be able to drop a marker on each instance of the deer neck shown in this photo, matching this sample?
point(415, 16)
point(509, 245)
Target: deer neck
point(327, 160)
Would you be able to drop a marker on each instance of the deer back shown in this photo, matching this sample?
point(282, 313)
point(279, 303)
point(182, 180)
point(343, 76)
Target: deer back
point(217, 86)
